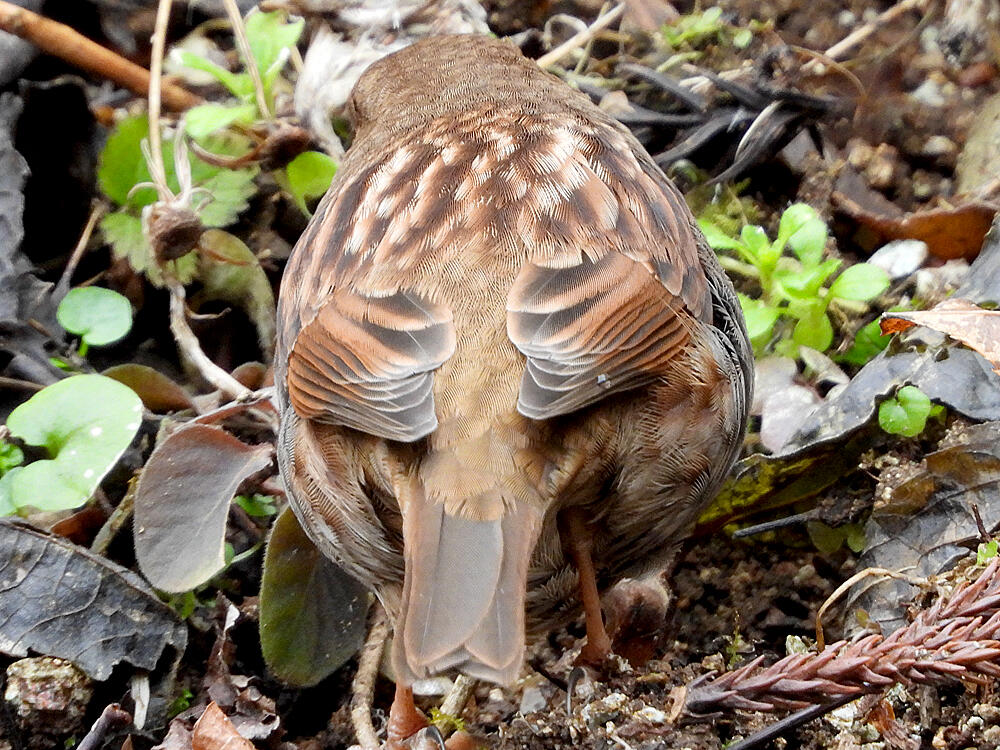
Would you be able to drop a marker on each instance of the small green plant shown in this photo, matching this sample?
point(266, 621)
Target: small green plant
point(440, 718)
point(257, 506)
point(271, 37)
point(84, 423)
point(793, 286)
point(868, 342)
point(907, 412)
point(986, 551)
point(696, 30)
point(181, 703)
point(98, 316)
point(124, 177)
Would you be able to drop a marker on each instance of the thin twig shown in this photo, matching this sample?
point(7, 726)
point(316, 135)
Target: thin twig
point(581, 38)
point(63, 42)
point(17, 384)
point(96, 212)
point(111, 718)
point(157, 169)
point(249, 62)
point(856, 37)
point(454, 702)
point(363, 687)
point(192, 351)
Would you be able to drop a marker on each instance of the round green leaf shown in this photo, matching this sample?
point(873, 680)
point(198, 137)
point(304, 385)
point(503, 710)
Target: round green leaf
point(99, 316)
point(906, 414)
point(85, 422)
point(815, 332)
point(309, 175)
point(861, 282)
point(759, 316)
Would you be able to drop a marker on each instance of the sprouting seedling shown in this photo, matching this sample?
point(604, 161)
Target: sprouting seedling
point(794, 285)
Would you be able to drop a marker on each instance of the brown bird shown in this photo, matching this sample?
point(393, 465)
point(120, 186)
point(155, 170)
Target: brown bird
point(510, 368)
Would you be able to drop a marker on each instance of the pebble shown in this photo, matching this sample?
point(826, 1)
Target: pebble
point(48, 695)
point(929, 93)
point(900, 258)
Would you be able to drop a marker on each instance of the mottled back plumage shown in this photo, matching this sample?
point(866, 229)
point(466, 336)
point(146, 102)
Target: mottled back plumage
point(501, 309)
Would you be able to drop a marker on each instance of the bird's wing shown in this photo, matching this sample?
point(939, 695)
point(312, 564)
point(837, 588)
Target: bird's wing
point(602, 312)
point(362, 354)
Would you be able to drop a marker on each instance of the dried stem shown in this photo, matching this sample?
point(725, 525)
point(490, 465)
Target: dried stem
point(187, 342)
point(363, 688)
point(243, 45)
point(856, 37)
point(580, 39)
point(957, 638)
point(96, 212)
point(157, 170)
point(454, 702)
point(63, 42)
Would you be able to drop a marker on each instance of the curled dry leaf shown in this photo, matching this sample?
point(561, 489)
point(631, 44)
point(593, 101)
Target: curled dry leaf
point(949, 231)
point(213, 731)
point(971, 324)
point(182, 503)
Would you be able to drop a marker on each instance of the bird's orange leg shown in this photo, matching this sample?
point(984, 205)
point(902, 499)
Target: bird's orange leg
point(579, 542)
point(404, 719)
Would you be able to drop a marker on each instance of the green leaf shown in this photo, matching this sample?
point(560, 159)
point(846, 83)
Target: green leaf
point(10, 456)
point(861, 282)
point(85, 423)
point(814, 331)
point(793, 219)
point(309, 176)
point(231, 191)
point(99, 316)
point(986, 551)
point(718, 239)
point(805, 283)
point(756, 243)
point(906, 413)
point(312, 614)
point(760, 318)
point(257, 506)
point(7, 507)
point(122, 166)
point(204, 119)
point(239, 84)
point(229, 271)
point(868, 342)
point(270, 34)
point(124, 233)
point(809, 241)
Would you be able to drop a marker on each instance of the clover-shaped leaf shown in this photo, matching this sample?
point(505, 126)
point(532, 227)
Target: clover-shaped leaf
point(98, 316)
point(85, 423)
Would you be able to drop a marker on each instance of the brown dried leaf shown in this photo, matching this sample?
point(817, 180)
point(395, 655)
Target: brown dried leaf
point(974, 326)
point(158, 392)
point(949, 231)
point(214, 731)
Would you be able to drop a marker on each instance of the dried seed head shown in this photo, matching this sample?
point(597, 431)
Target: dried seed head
point(173, 231)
